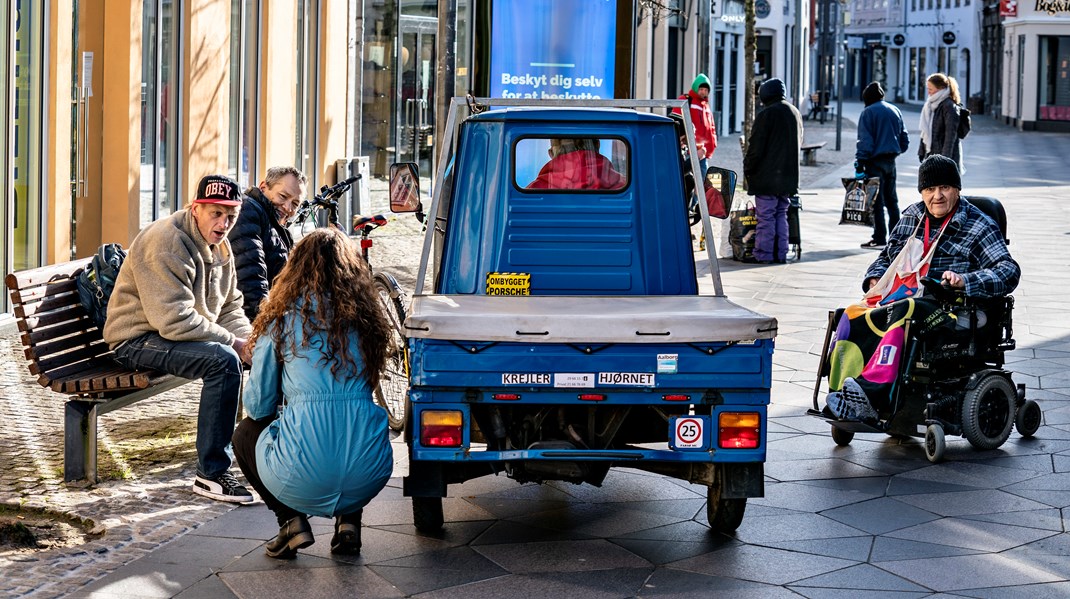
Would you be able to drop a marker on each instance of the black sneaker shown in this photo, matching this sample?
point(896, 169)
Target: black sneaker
point(222, 488)
point(874, 245)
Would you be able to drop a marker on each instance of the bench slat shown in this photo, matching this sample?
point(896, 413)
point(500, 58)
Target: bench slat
point(37, 276)
point(31, 323)
point(38, 336)
point(70, 358)
point(50, 303)
point(60, 347)
point(26, 295)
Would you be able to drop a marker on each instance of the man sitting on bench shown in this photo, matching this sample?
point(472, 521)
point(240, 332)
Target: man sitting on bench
point(176, 309)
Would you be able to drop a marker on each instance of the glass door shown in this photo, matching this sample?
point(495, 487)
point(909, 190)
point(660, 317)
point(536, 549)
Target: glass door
point(415, 107)
point(6, 95)
point(25, 130)
point(160, 110)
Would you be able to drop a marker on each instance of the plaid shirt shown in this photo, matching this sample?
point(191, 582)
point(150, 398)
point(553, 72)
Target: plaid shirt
point(971, 246)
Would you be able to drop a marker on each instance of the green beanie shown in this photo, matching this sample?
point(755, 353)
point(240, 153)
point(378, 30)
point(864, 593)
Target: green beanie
point(701, 80)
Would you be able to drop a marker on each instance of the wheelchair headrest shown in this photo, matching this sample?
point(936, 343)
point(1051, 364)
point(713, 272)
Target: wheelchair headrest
point(994, 210)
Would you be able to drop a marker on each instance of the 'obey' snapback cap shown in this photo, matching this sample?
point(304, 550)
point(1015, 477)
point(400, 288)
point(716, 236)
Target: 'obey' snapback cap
point(218, 189)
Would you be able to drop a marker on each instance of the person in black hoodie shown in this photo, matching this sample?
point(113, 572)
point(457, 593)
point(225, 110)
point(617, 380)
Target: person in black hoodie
point(260, 240)
point(771, 167)
point(881, 137)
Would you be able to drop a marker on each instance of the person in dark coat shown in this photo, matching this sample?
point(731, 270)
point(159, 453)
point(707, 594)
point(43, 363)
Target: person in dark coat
point(940, 120)
point(882, 136)
point(771, 167)
point(260, 239)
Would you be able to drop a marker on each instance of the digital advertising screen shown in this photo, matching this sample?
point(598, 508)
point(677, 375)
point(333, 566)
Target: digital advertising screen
point(552, 49)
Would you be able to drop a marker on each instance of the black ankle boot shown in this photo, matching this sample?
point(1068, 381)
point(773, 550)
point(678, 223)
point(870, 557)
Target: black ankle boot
point(346, 539)
point(295, 534)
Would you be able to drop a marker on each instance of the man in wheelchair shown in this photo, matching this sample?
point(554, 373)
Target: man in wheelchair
point(967, 256)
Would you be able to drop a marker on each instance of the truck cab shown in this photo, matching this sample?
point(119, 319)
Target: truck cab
point(558, 329)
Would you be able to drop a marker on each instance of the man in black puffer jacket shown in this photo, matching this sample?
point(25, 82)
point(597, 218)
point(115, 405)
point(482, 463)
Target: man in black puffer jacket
point(260, 240)
point(771, 168)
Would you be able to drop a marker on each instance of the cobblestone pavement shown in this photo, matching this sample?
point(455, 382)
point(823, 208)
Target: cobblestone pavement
point(147, 457)
point(141, 504)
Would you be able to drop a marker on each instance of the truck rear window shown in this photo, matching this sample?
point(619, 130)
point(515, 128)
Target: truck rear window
point(572, 163)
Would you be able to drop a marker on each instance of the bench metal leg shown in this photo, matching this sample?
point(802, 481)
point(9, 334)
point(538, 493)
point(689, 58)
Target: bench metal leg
point(80, 441)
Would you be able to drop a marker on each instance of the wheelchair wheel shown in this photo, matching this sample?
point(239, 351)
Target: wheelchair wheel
point(841, 437)
point(1027, 421)
point(934, 443)
point(988, 412)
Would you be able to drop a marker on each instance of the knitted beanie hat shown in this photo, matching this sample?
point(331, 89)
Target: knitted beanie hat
point(873, 93)
point(938, 170)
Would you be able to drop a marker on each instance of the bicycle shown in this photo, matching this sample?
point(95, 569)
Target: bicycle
point(392, 391)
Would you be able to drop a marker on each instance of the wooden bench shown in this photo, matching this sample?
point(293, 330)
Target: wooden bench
point(68, 355)
point(809, 153)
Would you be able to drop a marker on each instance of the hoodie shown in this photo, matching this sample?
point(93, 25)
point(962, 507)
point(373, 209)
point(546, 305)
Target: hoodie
point(771, 165)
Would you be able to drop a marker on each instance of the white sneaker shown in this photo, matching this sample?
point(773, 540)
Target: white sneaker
point(222, 488)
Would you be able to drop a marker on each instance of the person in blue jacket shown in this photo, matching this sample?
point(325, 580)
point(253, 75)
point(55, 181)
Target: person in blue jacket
point(882, 136)
point(314, 442)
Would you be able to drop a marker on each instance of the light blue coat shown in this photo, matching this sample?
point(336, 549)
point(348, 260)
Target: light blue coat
point(329, 452)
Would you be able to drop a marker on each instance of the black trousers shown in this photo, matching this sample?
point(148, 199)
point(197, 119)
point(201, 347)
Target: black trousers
point(244, 442)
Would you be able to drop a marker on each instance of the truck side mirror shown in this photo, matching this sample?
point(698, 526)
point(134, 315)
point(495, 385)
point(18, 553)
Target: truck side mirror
point(404, 187)
point(723, 180)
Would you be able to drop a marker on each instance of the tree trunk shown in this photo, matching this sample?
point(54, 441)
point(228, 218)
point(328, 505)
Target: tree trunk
point(750, 56)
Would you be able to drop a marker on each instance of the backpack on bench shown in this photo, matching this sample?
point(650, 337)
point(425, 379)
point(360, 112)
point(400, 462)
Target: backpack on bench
point(96, 281)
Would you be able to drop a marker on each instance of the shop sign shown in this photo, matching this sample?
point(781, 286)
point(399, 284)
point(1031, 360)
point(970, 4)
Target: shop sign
point(762, 9)
point(1008, 8)
point(949, 37)
point(901, 39)
point(1053, 7)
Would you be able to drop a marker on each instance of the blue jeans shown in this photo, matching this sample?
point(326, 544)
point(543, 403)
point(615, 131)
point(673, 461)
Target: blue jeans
point(771, 234)
point(883, 167)
point(218, 367)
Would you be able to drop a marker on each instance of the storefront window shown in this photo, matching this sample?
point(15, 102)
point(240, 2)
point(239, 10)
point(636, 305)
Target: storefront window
point(380, 86)
point(307, 57)
point(1054, 92)
point(244, 58)
point(159, 110)
point(26, 131)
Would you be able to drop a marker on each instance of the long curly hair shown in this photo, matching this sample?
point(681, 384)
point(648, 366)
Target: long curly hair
point(328, 285)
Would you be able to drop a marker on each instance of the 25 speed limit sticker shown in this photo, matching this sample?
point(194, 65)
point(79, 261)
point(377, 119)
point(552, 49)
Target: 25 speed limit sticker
point(689, 432)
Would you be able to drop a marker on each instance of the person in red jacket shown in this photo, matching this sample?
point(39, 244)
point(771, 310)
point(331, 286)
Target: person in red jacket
point(576, 164)
point(702, 119)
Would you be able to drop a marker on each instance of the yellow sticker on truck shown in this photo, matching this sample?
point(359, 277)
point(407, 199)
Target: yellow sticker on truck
point(508, 283)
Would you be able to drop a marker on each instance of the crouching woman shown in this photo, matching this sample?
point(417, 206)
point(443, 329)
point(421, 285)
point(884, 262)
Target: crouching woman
point(314, 442)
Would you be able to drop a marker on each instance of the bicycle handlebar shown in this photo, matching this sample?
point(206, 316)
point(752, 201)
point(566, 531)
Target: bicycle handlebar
point(326, 199)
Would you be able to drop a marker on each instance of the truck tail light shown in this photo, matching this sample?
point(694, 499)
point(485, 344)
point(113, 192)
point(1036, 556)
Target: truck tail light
point(506, 396)
point(441, 428)
point(739, 430)
point(592, 396)
point(680, 397)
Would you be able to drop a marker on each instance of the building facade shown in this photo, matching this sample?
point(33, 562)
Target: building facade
point(118, 108)
point(1036, 71)
point(901, 42)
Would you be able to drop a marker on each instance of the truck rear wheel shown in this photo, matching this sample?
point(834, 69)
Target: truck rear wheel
point(724, 515)
point(427, 514)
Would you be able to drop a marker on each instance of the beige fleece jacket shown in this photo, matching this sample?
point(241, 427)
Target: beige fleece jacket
point(174, 284)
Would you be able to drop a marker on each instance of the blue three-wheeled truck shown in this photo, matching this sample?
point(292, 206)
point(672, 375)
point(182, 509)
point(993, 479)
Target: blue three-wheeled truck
point(558, 329)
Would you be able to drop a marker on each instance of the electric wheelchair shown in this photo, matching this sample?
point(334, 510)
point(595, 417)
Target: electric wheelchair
point(950, 384)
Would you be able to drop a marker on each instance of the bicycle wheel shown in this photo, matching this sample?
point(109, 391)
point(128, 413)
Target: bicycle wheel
point(393, 390)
